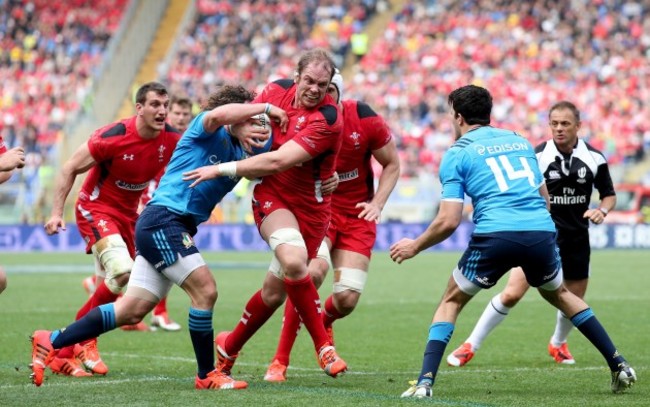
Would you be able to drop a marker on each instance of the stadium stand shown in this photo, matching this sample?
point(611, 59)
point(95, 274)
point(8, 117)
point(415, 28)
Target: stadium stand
point(529, 54)
point(48, 58)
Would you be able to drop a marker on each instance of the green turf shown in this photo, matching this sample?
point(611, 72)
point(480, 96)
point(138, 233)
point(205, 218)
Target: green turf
point(382, 341)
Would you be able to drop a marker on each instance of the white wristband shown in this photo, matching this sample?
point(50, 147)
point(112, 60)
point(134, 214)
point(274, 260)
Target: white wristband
point(228, 169)
point(267, 109)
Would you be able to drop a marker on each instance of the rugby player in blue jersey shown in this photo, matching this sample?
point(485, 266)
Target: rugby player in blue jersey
point(498, 170)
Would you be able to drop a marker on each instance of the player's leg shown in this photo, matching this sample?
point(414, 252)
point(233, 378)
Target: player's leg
point(99, 320)
point(542, 261)
point(295, 239)
point(201, 287)
point(317, 269)
point(440, 331)
point(258, 310)
point(483, 263)
point(113, 248)
point(495, 312)
point(264, 302)
point(350, 276)
point(623, 376)
point(351, 259)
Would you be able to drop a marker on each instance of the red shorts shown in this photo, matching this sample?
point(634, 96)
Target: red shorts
point(312, 222)
point(348, 232)
point(94, 225)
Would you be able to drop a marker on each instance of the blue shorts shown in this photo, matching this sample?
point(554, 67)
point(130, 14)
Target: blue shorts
point(161, 236)
point(489, 256)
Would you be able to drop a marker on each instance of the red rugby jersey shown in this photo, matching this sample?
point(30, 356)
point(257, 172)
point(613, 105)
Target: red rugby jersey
point(126, 163)
point(363, 131)
point(318, 131)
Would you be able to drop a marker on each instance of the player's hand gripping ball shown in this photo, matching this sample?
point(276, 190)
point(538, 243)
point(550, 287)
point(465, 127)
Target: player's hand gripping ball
point(264, 121)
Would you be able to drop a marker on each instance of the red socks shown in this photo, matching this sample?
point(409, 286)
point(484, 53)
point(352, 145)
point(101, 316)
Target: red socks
point(304, 296)
point(255, 315)
point(289, 333)
point(331, 314)
point(161, 307)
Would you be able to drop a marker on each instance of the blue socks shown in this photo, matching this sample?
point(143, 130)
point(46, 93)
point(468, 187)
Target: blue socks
point(439, 336)
point(97, 321)
point(202, 335)
point(591, 328)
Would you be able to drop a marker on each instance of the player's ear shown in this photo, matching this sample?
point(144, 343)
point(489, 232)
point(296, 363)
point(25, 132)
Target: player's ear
point(295, 76)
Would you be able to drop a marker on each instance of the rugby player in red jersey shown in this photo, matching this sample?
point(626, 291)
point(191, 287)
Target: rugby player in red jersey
point(356, 210)
point(120, 158)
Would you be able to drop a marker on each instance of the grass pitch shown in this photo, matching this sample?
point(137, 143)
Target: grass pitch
point(382, 341)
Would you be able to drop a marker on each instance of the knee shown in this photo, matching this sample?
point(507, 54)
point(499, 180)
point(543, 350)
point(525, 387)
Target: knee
point(293, 267)
point(318, 272)
point(131, 315)
point(113, 254)
point(273, 298)
point(210, 298)
point(207, 297)
point(509, 298)
point(346, 301)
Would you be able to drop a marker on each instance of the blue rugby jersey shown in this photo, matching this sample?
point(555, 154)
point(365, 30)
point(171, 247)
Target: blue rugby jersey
point(498, 169)
point(195, 149)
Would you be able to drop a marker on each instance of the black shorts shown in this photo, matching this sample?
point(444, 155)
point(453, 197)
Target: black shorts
point(489, 256)
point(161, 236)
point(575, 253)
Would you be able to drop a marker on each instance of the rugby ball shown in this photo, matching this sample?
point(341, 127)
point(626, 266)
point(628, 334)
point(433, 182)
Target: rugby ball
point(263, 120)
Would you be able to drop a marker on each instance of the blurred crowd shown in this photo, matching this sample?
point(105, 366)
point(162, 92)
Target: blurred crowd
point(530, 54)
point(253, 42)
point(49, 52)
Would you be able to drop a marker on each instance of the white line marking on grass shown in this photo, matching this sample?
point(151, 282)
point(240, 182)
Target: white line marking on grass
point(444, 370)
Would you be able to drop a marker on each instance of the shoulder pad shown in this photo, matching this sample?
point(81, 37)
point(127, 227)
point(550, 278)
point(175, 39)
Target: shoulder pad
point(364, 111)
point(284, 83)
point(329, 113)
point(119, 129)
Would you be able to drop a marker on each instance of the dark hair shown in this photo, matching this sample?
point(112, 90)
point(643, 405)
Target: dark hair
point(318, 55)
point(565, 104)
point(472, 102)
point(228, 94)
point(141, 95)
point(182, 101)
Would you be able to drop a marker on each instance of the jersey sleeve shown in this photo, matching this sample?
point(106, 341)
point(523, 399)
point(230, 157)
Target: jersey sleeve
point(603, 181)
point(101, 148)
point(451, 177)
point(3, 146)
point(196, 130)
point(322, 131)
point(379, 133)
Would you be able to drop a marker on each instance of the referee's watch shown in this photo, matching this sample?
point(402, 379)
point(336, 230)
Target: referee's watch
point(604, 211)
